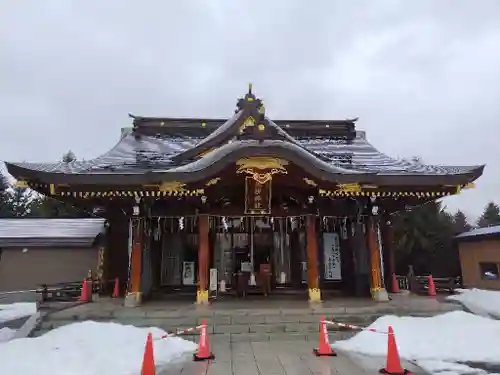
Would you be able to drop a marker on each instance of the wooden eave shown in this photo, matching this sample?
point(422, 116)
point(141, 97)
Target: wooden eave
point(113, 180)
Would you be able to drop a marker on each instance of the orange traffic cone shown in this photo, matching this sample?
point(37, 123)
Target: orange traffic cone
point(393, 365)
point(203, 352)
point(116, 289)
point(84, 297)
point(395, 285)
point(148, 361)
point(432, 287)
point(324, 349)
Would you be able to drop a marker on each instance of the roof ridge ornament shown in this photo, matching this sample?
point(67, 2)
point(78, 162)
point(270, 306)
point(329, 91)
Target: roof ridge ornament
point(249, 99)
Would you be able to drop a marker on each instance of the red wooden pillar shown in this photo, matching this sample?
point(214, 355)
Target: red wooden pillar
point(389, 257)
point(203, 260)
point(134, 294)
point(312, 260)
point(377, 290)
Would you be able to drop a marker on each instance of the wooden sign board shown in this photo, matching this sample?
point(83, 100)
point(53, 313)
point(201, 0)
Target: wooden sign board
point(257, 197)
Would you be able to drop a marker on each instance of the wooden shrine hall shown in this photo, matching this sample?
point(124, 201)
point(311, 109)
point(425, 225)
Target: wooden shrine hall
point(245, 204)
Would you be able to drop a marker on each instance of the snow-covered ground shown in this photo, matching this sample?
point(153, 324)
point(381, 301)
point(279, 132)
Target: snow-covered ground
point(89, 348)
point(440, 344)
point(480, 302)
point(17, 310)
point(6, 334)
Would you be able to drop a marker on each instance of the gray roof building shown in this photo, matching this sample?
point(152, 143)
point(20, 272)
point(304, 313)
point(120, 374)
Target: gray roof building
point(26, 232)
point(480, 233)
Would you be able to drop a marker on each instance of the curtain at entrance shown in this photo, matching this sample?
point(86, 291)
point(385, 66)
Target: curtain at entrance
point(281, 257)
point(171, 262)
point(223, 256)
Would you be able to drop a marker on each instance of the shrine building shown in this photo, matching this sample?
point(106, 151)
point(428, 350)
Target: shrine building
point(227, 205)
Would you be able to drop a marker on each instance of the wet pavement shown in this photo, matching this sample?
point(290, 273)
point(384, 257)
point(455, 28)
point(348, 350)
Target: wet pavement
point(277, 358)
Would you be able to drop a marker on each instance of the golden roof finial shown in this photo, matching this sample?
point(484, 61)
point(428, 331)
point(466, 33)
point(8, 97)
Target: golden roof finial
point(250, 89)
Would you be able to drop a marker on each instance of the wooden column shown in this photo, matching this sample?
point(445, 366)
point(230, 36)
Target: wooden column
point(377, 290)
point(134, 295)
point(388, 253)
point(312, 260)
point(203, 259)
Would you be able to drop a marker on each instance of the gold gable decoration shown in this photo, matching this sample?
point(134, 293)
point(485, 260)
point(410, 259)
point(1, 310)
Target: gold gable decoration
point(310, 182)
point(21, 184)
point(349, 188)
point(261, 168)
point(250, 121)
point(172, 186)
point(213, 181)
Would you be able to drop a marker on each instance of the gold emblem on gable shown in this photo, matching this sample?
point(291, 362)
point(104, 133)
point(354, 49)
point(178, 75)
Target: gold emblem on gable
point(250, 121)
point(261, 168)
point(172, 186)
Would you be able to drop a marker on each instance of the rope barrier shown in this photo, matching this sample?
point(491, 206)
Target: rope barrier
point(18, 292)
point(354, 327)
point(179, 332)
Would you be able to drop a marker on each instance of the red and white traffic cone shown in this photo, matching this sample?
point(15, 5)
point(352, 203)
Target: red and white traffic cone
point(116, 289)
point(395, 285)
point(85, 295)
point(432, 287)
point(148, 361)
point(324, 349)
point(393, 364)
point(203, 353)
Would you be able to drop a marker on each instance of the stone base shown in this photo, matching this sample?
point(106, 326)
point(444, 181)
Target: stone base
point(380, 295)
point(132, 299)
point(202, 297)
point(314, 295)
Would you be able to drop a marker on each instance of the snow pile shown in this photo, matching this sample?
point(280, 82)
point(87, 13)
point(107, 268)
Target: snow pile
point(89, 348)
point(6, 334)
point(437, 343)
point(17, 310)
point(479, 302)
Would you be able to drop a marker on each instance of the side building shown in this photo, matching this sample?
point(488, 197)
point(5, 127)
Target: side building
point(48, 251)
point(308, 202)
point(479, 251)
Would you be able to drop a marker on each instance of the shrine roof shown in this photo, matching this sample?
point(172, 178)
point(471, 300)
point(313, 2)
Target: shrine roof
point(188, 149)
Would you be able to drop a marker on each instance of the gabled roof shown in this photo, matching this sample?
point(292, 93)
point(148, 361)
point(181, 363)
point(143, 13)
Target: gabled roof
point(190, 149)
point(480, 233)
point(26, 232)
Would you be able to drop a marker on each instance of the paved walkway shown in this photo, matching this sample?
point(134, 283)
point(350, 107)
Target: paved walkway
point(277, 358)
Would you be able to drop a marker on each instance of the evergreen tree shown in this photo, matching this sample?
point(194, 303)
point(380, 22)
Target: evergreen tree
point(51, 208)
point(423, 237)
point(490, 216)
point(5, 204)
point(460, 222)
point(20, 202)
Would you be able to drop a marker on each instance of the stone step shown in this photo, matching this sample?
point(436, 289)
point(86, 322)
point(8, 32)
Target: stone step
point(233, 325)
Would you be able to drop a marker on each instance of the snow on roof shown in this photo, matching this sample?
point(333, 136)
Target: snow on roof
point(49, 232)
point(488, 231)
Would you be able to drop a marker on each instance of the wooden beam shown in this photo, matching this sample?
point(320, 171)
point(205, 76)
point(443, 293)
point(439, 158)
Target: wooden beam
point(203, 260)
point(312, 260)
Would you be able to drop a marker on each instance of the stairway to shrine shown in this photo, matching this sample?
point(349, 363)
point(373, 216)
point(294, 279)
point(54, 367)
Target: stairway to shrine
point(256, 321)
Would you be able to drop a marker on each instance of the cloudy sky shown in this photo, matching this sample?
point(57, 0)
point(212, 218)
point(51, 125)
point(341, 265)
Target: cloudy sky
point(423, 76)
